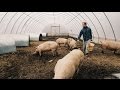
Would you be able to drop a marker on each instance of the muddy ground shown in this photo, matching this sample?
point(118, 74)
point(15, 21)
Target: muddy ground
point(23, 65)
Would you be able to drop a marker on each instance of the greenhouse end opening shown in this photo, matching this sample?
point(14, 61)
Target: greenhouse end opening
point(58, 45)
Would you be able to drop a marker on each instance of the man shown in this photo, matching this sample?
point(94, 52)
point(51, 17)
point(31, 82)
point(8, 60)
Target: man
point(87, 37)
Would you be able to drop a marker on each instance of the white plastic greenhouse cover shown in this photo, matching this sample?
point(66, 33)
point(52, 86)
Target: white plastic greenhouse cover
point(7, 45)
point(104, 25)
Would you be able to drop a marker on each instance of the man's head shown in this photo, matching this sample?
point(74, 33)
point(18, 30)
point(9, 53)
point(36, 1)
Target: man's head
point(84, 24)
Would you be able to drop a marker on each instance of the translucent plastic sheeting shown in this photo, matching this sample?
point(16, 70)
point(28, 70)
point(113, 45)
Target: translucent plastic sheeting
point(114, 19)
point(55, 30)
point(7, 45)
point(104, 25)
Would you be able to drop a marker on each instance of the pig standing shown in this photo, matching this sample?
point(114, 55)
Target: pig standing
point(62, 41)
point(111, 45)
point(47, 46)
point(72, 43)
point(66, 67)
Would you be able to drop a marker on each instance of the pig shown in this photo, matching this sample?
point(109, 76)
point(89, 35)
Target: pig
point(62, 41)
point(66, 67)
point(72, 43)
point(111, 45)
point(47, 46)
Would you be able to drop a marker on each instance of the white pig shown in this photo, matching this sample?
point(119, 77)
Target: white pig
point(62, 41)
point(47, 46)
point(72, 43)
point(111, 45)
point(66, 67)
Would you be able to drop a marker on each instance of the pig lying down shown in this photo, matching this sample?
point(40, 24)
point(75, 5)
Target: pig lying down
point(66, 67)
point(47, 46)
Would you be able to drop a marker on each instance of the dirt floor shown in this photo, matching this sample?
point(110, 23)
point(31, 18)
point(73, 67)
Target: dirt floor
point(23, 65)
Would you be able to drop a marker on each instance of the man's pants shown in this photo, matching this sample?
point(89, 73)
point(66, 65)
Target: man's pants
point(85, 46)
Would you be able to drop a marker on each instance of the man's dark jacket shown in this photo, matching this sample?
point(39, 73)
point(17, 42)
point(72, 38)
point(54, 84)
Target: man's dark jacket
point(86, 32)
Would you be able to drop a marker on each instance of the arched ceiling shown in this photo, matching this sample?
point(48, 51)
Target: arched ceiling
point(103, 24)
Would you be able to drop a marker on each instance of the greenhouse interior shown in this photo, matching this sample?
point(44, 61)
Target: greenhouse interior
point(59, 45)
